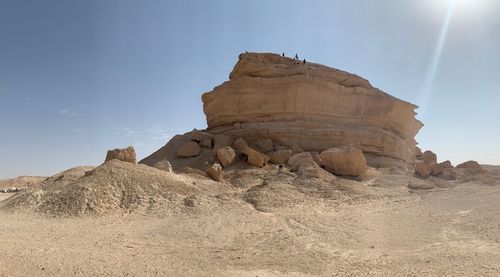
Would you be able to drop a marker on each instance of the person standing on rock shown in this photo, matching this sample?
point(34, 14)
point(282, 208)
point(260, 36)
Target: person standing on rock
point(304, 61)
point(296, 57)
point(283, 54)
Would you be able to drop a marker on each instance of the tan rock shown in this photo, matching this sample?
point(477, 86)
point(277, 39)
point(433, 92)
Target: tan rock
point(164, 165)
point(265, 145)
point(315, 106)
point(189, 170)
point(216, 172)
point(316, 157)
point(296, 149)
point(301, 160)
point(439, 168)
point(347, 160)
point(189, 149)
point(281, 156)
point(206, 143)
point(200, 136)
point(423, 169)
point(255, 158)
point(226, 155)
point(221, 140)
point(125, 154)
point(240, 145)
point(429, 157)
point(471, 167)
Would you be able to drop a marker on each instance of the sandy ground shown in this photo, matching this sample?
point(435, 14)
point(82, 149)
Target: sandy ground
point(441, 232)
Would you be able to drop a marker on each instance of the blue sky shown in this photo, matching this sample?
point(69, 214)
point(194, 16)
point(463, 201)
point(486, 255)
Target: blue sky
point(80, 77)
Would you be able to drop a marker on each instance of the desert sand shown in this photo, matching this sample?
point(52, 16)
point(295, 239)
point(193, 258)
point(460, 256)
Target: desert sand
point(268, 224)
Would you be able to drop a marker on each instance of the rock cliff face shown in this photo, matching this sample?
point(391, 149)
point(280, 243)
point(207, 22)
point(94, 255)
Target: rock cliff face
point(310, 105)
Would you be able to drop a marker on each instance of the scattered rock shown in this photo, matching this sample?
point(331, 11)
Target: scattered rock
point(420, 185)
point(429, 157)
point(439, 168)
point(189, 170)
point(164, 165)
point(471, 167)
point(226, 155)
point(189, 149)
point(221, 140)
point(423, 169)
point(347, 160)
point(206, 143)
point(255, 158)
point(301, 160)
point(265, 145)
point(240, 145)
point(200, 136)
point(125, 155)
point(281, 156)
point(216, 172)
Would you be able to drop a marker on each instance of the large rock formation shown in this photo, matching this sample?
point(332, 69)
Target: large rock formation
point(311, 106)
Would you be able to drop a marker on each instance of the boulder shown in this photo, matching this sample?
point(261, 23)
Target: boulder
point(301, 160)
point(281, 156)
point(221, 140)
point(125, 155)
point(200, 136)
point(439, 168)
point(423, 169)
point(265, 145)
point(240, 145)
point(216, 172)
point(255, 158)
point(190, 170)
point(347, 161)
point(163, 165)
point(206, 143)
point(226, 155)
point(189, 149)
point(471, 167)
point(429, 157)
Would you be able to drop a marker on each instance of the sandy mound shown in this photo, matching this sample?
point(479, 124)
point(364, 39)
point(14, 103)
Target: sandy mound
point(112, 188)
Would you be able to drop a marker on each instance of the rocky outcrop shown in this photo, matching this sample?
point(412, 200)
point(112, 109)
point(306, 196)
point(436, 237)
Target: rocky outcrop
point(216, 172)
point(347, 160)
point(311, 107)
point(281, 156)
point(125, 155)
point(189, 149)
point(471, 167)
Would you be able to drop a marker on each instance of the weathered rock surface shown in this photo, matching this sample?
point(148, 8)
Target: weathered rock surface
point(216, 172)
point(429, 157)
point(255, 158)
point(189, 149)
point(125, 155)
point(221, 140)
point(423, 169)
point(471, 167)
point(200, 136)
point(163, 165)
point(347, 160)
point(316, 107)
point(226, 155)
point(281, 156)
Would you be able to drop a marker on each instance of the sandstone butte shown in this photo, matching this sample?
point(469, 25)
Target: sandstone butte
point(314, 106)
point(309, 107)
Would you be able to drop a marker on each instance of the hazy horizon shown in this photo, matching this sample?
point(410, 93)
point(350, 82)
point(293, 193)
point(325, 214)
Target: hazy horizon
point(79, 78)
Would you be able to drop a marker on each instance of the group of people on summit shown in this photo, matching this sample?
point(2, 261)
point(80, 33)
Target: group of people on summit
point(295, 58)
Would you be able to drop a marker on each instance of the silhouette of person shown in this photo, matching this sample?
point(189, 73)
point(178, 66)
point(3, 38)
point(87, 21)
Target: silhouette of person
point(304, 61)
point(296, 56)
point(283, 54)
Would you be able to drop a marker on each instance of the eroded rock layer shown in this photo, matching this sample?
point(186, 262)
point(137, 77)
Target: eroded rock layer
point(314, 106)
